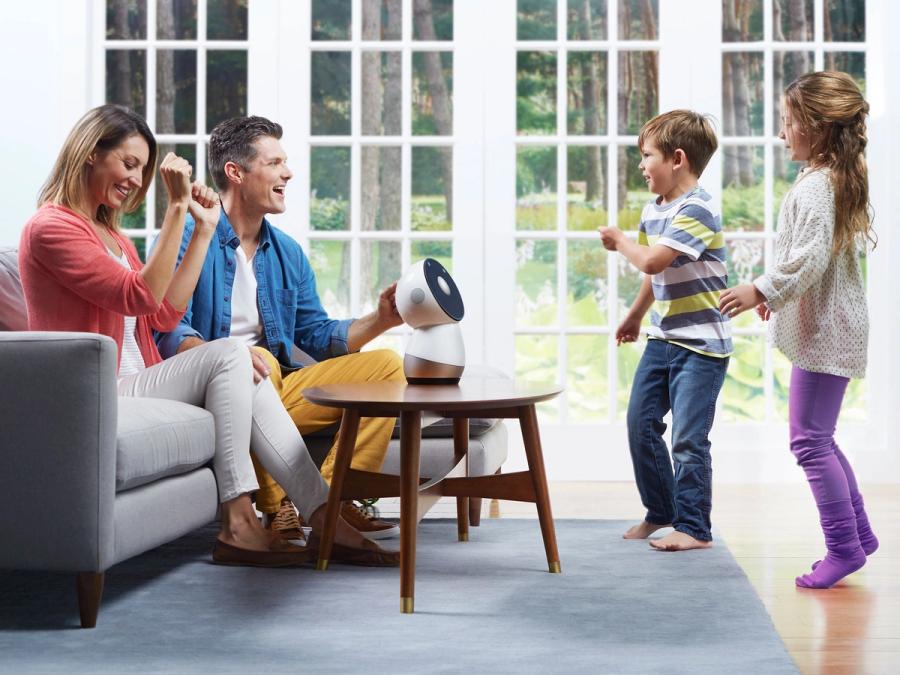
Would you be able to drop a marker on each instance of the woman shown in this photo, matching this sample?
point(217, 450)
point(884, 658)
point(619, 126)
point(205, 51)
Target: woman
point(80, 273)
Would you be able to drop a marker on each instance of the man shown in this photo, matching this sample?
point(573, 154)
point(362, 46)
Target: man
point(257, 285)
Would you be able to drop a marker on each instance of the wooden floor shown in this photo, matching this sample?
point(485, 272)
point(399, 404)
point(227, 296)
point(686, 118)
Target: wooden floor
point(773, 533)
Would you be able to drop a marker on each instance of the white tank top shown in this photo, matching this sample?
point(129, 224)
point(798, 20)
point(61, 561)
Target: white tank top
point(132, 361)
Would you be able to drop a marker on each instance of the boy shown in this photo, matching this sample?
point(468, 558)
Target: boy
point(681, 251)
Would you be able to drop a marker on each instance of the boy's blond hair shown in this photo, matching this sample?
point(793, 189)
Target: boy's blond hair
point(690, 131)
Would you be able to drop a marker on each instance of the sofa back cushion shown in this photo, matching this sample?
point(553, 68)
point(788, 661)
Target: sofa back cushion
point(12, 299)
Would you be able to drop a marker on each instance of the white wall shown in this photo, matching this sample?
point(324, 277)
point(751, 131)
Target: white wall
point(45, 79)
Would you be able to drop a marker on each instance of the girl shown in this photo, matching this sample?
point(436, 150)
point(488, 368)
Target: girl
point(817, 299)
point(79, 273)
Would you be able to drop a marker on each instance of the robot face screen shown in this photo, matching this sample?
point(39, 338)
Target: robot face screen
point(444, 289)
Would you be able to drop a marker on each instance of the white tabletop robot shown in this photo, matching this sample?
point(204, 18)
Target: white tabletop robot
point(429, 301)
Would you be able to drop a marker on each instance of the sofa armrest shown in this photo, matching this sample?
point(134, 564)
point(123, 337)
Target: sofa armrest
point(57, 450)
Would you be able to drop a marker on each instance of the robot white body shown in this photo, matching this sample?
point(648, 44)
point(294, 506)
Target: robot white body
point(429, 301)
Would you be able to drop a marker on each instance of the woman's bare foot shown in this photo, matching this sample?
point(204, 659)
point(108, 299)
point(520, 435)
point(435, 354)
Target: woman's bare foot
point(241, 528)
point(679, 541)
point(344, 533)
point(643, 530)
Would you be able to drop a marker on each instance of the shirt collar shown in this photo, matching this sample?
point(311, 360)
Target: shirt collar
point(227, 236)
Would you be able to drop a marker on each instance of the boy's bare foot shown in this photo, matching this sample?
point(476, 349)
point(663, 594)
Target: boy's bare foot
point(643, 530)
point(679, 541)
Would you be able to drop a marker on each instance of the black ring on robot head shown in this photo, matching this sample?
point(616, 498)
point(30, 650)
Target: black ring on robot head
point(451, 304)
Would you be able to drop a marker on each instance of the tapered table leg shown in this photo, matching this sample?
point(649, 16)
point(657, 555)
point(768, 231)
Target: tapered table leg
point(342, 459)
point(460, 447)
point(532, 440)
point(90, 590)
point(410, 436)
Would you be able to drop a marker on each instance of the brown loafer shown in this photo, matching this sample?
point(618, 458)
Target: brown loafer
point(281, 555)
point(370, 555)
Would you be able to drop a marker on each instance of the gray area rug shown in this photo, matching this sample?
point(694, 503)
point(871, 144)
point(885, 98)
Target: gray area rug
point(488, 605)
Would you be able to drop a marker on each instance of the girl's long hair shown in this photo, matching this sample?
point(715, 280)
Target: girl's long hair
point(100, 130)
point(832, 112)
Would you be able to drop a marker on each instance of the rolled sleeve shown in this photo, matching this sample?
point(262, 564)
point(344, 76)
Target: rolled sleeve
point(168, 343)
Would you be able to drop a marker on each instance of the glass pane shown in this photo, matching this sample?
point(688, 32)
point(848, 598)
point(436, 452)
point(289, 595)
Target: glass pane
point(742, 93)
point(783, 176)
point(587, 20)
point(136, 220)
point(632, 192)
point(330, 261)
point(381, 19)
point(792, 20)
point(742, 188)
point(536, 20)
point(638, 20)
point(536, 359)
point(226, 19)
point(742, 22)
point(379, 267)
point(536, 188)
point(845, 21)
point(586, 285)
point(380, 193)
point(176, 91)
point(586, 188)
point(330, 94)
point(629, 280)
point(745, 262)
point(381, 93)
point(628, 355)
point(176, 19)
point(442, 251)
point(126, 73)
point(126, 19)
point(536, 283)
point(743, 396)
point(587, 93)
point(140, 243)
point(536, 93)
point(226, 86)
point(638, 90)
point(432, 94)
point(786, 67)
point(852, 63)
point(189, 152)
point(433, 20)
point(587, 389)
point(331, 20)
point(329, 188)
point(432, 188)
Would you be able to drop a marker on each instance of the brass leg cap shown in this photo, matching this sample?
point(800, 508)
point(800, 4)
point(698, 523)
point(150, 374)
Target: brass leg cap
point(464, 537)
point(554, 568)
point(322, 565)
point(406, 605)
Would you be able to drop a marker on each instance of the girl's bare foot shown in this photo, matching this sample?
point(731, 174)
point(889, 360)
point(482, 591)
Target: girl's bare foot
point(643, 530)
point(241, 528)
point(679, 541)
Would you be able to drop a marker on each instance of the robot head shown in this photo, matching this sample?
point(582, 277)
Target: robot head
point(428, 296)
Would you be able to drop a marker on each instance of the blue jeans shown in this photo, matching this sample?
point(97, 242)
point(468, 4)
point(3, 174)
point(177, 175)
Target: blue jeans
point(673, 378)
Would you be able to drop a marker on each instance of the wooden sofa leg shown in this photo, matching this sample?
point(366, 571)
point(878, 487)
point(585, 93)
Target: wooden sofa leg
point(474, 511)
point(90, 591)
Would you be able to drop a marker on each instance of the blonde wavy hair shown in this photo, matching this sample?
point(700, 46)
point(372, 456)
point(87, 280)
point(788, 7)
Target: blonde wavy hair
point(100, 130)
point(831, 110)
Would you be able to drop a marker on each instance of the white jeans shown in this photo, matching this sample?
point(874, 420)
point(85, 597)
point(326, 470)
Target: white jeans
point(218, 376)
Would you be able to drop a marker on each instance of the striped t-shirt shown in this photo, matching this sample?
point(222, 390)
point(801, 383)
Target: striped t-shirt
point(686, 311)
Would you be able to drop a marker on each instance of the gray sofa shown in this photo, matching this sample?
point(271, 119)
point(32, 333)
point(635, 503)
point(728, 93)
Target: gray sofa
point(88, 479)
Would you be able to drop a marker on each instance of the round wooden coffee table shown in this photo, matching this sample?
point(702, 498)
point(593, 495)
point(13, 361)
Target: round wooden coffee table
point(472, 397)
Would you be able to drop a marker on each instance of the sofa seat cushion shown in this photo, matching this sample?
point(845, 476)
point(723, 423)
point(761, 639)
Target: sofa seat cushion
point(159, 438)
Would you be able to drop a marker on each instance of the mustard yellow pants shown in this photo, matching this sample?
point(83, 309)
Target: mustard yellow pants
point(374, 432)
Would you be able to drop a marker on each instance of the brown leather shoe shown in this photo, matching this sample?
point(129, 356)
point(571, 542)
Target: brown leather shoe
point(368, 526)
point(281, 554)
point(286, 523)
point(369, 555)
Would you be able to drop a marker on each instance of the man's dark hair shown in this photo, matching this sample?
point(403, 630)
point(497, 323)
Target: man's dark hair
point(232, 141)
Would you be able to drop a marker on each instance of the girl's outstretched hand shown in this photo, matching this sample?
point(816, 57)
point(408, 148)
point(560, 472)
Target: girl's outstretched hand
point(204, 207)
point(175, 172)
point(739, 299)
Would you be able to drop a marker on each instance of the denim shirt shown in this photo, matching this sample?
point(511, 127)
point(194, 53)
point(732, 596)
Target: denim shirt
point(289, 306)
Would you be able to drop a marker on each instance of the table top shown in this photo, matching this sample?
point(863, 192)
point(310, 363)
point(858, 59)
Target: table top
point(472, 393)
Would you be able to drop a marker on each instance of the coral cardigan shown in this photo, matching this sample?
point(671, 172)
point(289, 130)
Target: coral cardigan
point(71, 282)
